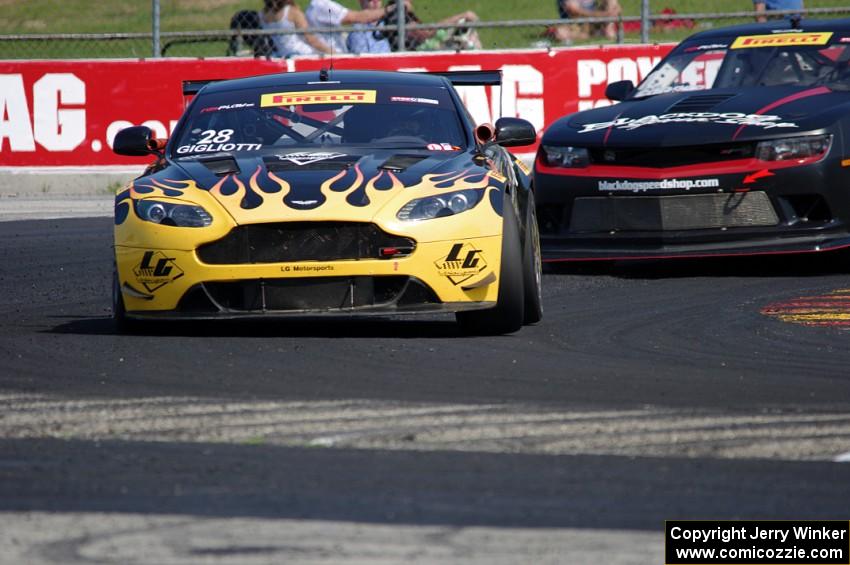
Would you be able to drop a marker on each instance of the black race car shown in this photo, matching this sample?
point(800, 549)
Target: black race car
point(733, 145)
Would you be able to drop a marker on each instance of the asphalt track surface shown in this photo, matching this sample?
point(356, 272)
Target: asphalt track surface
point(651, 391)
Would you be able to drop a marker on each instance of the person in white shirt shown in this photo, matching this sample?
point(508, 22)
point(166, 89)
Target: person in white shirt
point(328, 13)
point(365, 40)
point(287, 15)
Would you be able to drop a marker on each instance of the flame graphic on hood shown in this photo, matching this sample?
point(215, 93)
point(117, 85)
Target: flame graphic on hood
point(154, 187)
point(265, 194)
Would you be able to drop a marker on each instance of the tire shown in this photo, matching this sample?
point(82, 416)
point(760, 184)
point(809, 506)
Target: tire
point(507, 315)
point(532, 267)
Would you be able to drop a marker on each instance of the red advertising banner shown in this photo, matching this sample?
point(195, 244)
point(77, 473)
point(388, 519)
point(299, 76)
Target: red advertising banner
point(66, 113)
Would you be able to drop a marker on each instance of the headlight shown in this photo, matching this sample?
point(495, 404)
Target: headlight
point(170, 214)
point(439, 206)
point(793, 148)
point(568, 157)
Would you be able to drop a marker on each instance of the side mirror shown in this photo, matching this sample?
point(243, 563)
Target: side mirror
point(618, 91)
point(514, 132)
point(136, 141)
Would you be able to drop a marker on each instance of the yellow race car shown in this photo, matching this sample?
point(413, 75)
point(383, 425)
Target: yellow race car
point(332, 193)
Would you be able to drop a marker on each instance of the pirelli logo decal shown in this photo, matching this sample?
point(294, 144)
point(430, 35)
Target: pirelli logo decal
point(304, 98)
point(781, 40)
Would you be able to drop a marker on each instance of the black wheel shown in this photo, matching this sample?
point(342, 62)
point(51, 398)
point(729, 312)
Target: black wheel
point(532, 267)
point(507, 315)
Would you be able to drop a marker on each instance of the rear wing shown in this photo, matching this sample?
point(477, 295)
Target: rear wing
point(457, 78)
point(192, 87)
point(475, 78)
point(472, 78)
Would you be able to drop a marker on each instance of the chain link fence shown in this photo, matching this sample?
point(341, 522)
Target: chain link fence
point(82, 29)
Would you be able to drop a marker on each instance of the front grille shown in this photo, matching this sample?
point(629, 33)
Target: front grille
point(672, 213)
point(318, 294)
point(289, 242)
point(662, 157)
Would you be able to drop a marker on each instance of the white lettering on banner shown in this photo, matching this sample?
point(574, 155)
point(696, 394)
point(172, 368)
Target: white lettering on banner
point(593, 72)
point(158, 129)
point(523, 80)
point(14, 114)
point(520, 96)
point(59, 129)
point(590, 73)
point(622, 69)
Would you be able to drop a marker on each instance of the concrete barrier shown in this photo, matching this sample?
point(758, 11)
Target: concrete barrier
point(64, 181)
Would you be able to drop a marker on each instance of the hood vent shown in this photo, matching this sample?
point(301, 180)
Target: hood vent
point(304, 163)
point(699, 103)
point(221, 166)
point(398, 163)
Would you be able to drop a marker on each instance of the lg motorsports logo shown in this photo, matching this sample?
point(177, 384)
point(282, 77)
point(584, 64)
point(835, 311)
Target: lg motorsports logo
point(156, 270)
point(462, 263)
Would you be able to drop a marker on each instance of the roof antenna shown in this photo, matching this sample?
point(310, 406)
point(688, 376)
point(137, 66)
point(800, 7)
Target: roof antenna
point(324, 74)
point(795, 21)
point(332, 42)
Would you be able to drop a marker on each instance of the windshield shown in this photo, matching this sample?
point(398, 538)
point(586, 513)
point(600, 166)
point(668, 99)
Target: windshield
point(798, 58)
point(380, 117)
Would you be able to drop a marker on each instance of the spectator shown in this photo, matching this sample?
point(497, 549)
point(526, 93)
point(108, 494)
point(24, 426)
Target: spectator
point(457, 37)
point(368, 40)
point(569, 9)
point(328, 13)
point(453, 36)
point(286, 15)
point(763, 6)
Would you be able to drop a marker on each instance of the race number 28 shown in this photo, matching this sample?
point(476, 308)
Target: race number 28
point(216, 136)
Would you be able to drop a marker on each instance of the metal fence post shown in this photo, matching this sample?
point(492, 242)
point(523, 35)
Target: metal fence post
point(401, 10)
point(155, 27)
point(644, 21)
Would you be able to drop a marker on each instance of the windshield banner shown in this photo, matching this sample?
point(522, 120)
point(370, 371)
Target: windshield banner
point(66, 113)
